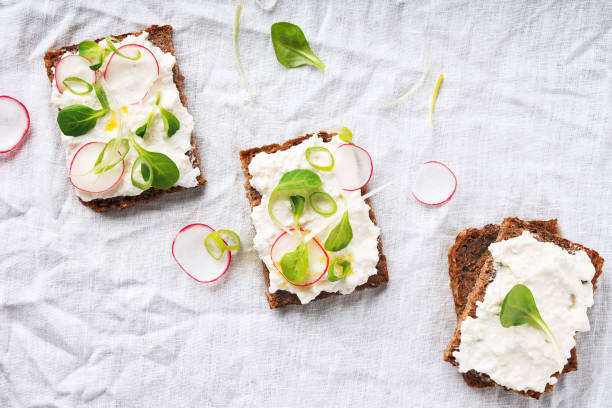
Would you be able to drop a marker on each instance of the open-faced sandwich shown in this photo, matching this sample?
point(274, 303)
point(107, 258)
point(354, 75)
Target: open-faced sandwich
point(122, 112)
point(314, 228)
point(521, 293)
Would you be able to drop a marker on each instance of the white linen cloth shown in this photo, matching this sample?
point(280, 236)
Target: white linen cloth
point(94, 312)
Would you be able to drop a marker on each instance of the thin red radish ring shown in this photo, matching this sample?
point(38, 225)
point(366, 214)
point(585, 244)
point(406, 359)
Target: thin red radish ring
point(129, 81)
point(288, 242)
point(82, 176)
point(73, 66)
point(14, 123)
point(435, 184)
point(354, 166)
point(191, 256)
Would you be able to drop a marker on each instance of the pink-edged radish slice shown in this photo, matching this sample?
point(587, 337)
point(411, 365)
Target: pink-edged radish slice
point(353, 166)
point(190, 254)
point(318, 260)
point(14, 123)
point(435, 184)
point(129, 81)
point(82, 176)
point(73, 66)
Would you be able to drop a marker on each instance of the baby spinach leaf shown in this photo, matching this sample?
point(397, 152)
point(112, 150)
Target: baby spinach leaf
point(291, 47)
point(171, 123)
point(519, 308)
point(93, 52)
point(76, 120)
point(340, 236)
point(298, 180)
point(162, 171)
point(294, 265)
point(297, 208)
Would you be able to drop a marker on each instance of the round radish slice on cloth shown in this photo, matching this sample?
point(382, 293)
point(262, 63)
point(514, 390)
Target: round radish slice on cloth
point(127, 80)
point(14, 123)
point(190, 254)
point(73, 66)
point(82, 176)
point(353, 167)
point(318, 260)
point(435, 184)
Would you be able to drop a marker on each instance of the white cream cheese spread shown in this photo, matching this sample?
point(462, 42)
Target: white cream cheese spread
point(134, 116)
point(362, 251)
point(522, 357)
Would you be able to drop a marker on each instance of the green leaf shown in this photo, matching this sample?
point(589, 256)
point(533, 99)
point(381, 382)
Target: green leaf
point(294, 265)
point(142, 130)
point(297, 209)
point(345, 135)
point(171, 123)
point(291, 47)
point(77, 120)
point(298, 180)
point(519, 308)
point(162, 170)
point(340, 236)
point(345, 267)
point(93, 52)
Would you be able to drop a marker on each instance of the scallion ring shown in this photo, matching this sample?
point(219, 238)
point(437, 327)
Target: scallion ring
point(215, 246)
point(345, 267)
point(345, 135)
point(318, 150)
point(79, 80)
point(147, 175)
point(322, 203)
point(105, 162)
point(230, 238)
point(109, 42)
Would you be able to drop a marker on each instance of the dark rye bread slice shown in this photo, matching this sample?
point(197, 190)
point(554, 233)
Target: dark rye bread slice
point(160, 36)
point(510, 228)
point(282, 298)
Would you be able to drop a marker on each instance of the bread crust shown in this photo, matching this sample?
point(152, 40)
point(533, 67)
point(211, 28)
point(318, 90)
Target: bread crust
point(160, 36)
point(510, 228)
point(282, 298)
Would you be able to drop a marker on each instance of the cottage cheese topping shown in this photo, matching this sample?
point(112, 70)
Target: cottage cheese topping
point(156, 140)
point(362, 252)
point(522, 357)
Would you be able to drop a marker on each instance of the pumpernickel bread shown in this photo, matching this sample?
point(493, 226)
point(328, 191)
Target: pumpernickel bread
point(282, 298)
point(160, 36)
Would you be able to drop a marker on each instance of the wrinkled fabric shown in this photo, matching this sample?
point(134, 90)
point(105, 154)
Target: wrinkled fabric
point(94, 312)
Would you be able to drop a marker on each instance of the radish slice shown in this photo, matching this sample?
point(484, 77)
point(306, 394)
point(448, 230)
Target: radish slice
point(82, 176)
point(353, 166)
point(318, 260)
point(14, 123)
point(189, 253)
point(129, 81)
point(435, 184)
point(73, 66)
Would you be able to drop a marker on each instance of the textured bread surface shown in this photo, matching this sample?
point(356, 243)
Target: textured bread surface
point(160, 36)
point(281, 297)
point(510, 228)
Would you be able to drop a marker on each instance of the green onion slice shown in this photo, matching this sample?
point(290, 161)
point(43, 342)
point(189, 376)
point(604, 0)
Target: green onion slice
point(322, 203)
point(215, 246)
point(147, 174)
point(79, 80)
point(230, 238)
point(434, 98)
point(317, 151)
point(345, 135)
point(109, 42)
point(113, 153)
point(338, 263)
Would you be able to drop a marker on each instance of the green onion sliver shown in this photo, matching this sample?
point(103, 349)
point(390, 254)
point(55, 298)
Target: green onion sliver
point(345, 135)
point(317, 149)
point(79, 80)
point(215, 246)
point(230, 238)
point(148, 181)
point(105, 161)
point(434, 98)
point(345, 268)
point(317, 200)
point(109, 42)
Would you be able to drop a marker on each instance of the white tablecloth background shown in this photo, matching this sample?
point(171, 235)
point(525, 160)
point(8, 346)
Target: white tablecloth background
point(94, 312)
